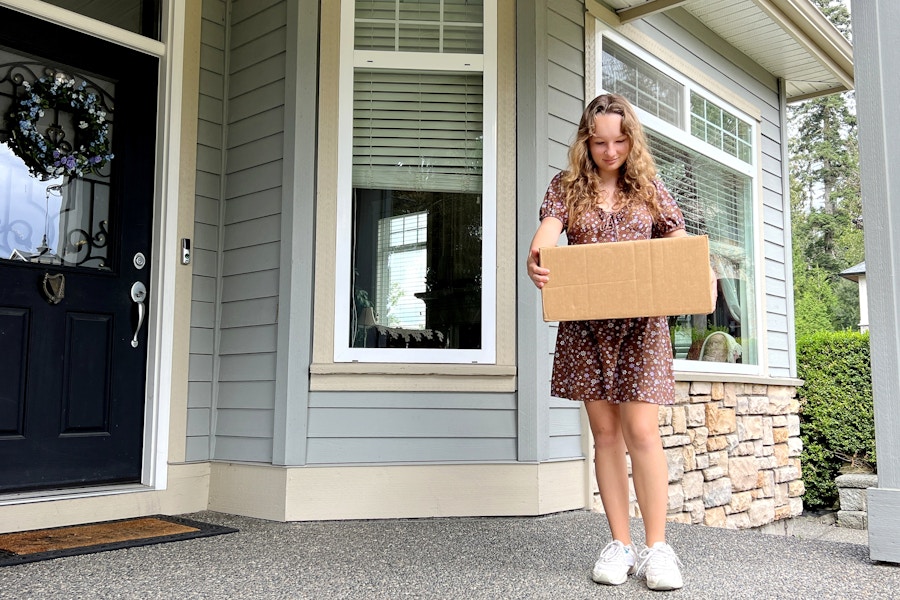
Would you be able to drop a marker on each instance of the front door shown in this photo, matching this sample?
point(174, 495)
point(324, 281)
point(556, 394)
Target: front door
point(77, 152)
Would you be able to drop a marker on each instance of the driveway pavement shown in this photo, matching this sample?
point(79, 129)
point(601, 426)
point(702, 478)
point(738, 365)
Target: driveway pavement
point(465, 558)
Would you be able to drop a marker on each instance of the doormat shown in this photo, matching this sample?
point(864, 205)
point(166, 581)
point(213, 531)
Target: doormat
point(44, 544)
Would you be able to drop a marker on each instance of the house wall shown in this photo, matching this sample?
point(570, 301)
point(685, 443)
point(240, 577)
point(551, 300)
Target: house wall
point(207, 216)
point(238, 230)
point(353, 418)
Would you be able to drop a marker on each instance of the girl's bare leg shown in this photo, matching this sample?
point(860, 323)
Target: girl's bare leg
point(610, 466)
point(649, 468)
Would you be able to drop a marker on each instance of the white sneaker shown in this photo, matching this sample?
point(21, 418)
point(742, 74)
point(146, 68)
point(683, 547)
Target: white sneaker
point(616, 562)
point(660, 566)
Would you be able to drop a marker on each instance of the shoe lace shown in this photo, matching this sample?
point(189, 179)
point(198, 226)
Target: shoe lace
point(660, 557)
point(612, 551)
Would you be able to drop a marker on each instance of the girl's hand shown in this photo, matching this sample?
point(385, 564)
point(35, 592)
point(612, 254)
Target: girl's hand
point(539, 276)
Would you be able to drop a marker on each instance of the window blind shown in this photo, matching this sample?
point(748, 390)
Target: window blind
point(417, 131)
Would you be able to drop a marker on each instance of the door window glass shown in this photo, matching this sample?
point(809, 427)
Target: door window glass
point(56, 131)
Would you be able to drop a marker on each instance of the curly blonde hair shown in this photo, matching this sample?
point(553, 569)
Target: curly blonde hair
point(581, 182)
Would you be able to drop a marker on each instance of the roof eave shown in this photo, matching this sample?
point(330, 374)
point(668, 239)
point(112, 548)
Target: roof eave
point(810, 28)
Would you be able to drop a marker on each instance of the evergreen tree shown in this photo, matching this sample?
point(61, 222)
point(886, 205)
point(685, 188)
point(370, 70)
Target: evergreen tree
point(826, 210)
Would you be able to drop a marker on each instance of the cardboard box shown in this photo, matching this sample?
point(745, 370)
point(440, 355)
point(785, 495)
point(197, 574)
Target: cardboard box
point(645, 278)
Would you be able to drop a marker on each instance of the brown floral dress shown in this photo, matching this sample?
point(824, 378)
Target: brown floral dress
point(617, 360)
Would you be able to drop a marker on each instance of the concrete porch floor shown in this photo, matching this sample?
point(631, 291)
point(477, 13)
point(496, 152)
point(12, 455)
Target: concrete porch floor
point(471, 558)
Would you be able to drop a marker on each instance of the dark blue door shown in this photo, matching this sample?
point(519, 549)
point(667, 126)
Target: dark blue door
point(77, 153)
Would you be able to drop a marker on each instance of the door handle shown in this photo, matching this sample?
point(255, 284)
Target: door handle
point(138, 294)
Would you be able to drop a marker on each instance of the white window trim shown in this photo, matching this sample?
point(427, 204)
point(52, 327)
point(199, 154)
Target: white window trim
point(684, 137)
point(350, 59)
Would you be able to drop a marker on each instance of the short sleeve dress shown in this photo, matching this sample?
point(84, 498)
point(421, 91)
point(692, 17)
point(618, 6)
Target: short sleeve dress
point(617, 360)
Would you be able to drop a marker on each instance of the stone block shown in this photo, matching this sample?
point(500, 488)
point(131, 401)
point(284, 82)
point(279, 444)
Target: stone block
point(675, 460)
point(743, 473)
point(766, 462)
point(738, 521)
point(714, 472)
point(666, 430)
point(742, 405)
point(676, 498)
point(782, 454)
point(779, 420)
point(857, 480)
point(781, 494)
point(682, 392)
point(795, 446)
point(679, 420)
point(697, 511)
point(785, 474)
point(679, 517)
point(780, 435)
point(796, 507)
point(767, 437)
point(750, 428)
point(852, 499)
point(793, 425)
point(730, 398)
point(664, 416)
point(717, 492)
point(717, 391)
point(671, 441)
point(761, 512)
point(700, 399)
point(715, 443)
point(701, 388)
point(758, 389)
point(692, 484)
point(689, 454)
point(796, 488)
point(766, 483)
point(701, 461)
point(720, 420)
point(747, 448)
point(701, 435)
point(696, 415)
point(852, 519)
point(740, 502)
point(779, 404)
point(782, 512)
point(719, 458)
point(715, 517)
point(759, 405)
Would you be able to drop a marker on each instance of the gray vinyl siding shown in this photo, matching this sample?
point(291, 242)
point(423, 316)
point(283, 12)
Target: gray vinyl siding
point(210, 131)
point(565, 101)
point(348, 428)
point(251, 231)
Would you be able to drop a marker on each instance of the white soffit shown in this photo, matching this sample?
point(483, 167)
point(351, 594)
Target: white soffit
point(790, 39)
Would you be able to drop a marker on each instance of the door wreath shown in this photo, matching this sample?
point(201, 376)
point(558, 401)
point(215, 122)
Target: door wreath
point(48, 153)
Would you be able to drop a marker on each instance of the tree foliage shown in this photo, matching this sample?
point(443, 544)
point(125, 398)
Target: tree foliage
point(826, 211)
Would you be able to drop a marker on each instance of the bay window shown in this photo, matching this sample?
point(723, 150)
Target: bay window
point(705, 153)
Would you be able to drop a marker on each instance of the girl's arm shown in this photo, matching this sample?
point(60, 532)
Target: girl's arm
point(546, 235)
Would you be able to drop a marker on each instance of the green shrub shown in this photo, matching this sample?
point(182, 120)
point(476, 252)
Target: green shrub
point(837, 422)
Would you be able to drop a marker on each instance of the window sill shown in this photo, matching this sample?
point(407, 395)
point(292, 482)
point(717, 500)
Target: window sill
point(411, 377)
point(737, 378)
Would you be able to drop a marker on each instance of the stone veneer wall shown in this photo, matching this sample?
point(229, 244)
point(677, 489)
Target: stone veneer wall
point(734, 454)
